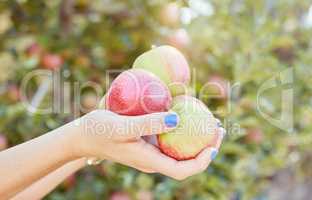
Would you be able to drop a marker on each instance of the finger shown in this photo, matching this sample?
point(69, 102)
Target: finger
point(153, 158)
point(145, 170)
point(219, 124)
point(130, 161)
point(150, 124)
point(176, 169)
point(221, 132)
point(152, 139)
point(199, 164)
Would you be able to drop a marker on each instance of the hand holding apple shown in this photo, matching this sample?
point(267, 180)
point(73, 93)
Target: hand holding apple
point(118, 138)
point(195, 141)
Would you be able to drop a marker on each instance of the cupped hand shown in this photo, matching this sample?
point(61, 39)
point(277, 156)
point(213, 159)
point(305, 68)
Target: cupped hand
point(110, 136)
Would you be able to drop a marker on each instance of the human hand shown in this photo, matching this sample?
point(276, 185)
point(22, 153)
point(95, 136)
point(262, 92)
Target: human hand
point(106, 135)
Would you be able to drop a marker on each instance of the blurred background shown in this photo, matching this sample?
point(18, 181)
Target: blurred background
point(225, 41)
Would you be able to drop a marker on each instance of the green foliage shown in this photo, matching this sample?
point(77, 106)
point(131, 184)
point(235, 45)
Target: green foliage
point(245, 42)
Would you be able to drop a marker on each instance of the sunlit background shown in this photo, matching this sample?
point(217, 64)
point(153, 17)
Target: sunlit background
point(243, 42)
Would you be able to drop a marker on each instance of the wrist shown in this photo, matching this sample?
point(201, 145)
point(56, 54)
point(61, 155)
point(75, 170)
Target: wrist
point(83, 140)
point(79, 141)
point(70, 139)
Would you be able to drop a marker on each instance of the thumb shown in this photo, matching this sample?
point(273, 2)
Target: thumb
point(151, 124)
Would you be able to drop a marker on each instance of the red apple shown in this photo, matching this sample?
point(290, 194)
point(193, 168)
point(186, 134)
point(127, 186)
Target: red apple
point(254, 136)
point(197, 129)
point(13, 93)
point(169, 65)
point(119, 196)
point(219, 86)
point(144, 195)
point(34, 49)
point(69, 182)
point(179, 39)
point(51, 61)
point(3, 142)
point(137, 92)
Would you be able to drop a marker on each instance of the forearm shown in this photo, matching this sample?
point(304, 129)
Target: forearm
point(46, 184)
point(26, 163)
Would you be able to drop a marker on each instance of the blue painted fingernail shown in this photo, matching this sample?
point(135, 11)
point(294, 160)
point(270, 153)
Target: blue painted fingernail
point(171, 120)
point(214, 153)
point(222, 132)
point(219, 123)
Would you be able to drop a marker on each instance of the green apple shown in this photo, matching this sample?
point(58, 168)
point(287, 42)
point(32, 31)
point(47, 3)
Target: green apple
point(197, 129)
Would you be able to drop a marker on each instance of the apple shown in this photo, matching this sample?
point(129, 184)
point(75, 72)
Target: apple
point(197, 129)
point(14, 93)
point(169, 65)
point(34, 49)
point(119, 196)
point(254, 136)
point(219, 86)
point(284, 49)
point(144, 195)
point(69, 182)
point(179, 39)
point(51, 61)
point(170, 14)
point(137, 92)
point(3, 142)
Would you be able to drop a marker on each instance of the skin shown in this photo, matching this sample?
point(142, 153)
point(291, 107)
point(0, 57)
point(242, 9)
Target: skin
point(100, 134)
point(45, 185)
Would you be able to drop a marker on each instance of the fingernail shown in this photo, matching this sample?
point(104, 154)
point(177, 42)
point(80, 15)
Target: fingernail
point(219, 124)
point(214, 153)
point(171, 120)
point(222, 132)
